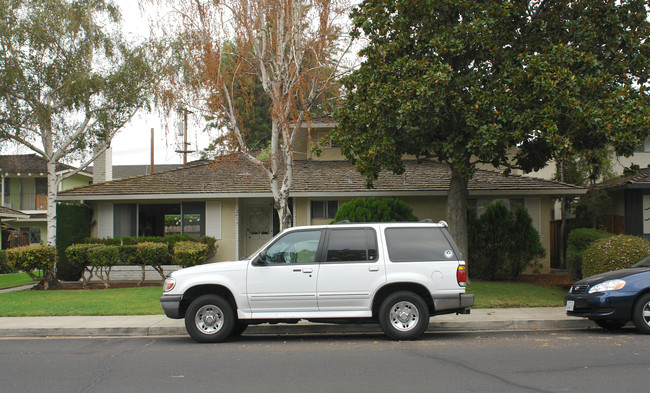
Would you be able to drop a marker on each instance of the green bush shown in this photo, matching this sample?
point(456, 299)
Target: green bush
point(73, 225)
point(613, 253)
point(129, 254)
point(375, 210)
point(501, 244)
point(188, 253)
point(77, 254)
point(153, 254)
point(4, 267)
point(33, 258)
point(579, 239)
point(103, 258)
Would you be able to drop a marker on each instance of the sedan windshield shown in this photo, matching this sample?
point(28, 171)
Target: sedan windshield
point(645, 262)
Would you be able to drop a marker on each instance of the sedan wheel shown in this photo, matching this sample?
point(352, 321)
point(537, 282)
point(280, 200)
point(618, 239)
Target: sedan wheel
point(641, 314)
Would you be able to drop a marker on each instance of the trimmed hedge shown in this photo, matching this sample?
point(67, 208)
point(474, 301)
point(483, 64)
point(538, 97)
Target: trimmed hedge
point(375, 210)
point(578, 241)
point(103, 258)
point(189, 254)
point(4, 267)
point(613, 253)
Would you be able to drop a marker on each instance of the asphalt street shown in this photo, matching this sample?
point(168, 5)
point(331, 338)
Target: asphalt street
point(584, 360)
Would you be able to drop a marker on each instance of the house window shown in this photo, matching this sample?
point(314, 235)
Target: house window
point(125, 219)
point(645, 146)
point(7, 192)
point(324, 209)
point(329, 143)
point(34, 235)
point(40, 187)
point(171, 218)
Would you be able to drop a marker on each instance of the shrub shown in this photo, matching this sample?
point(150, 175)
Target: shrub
point(4, 267)
point(33, 258)
point(613, 253)
point(154, 254)
point(77, 255)
point(103, 258)
point(501, 244)
point(73, 225)
point(375, 210)
point(579, 239)
point(188, 253)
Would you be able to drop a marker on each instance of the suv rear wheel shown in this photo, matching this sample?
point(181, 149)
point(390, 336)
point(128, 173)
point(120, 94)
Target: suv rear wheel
point(403, 316)
point(209, 319)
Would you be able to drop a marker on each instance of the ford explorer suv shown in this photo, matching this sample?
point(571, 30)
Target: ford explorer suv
point(394, 274)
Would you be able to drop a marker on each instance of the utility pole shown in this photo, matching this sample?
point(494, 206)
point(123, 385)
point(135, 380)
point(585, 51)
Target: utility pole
point(184, 149)
point(151, 167)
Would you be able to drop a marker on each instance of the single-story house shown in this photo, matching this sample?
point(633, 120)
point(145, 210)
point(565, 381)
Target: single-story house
point(229, 199)
point(631, 195)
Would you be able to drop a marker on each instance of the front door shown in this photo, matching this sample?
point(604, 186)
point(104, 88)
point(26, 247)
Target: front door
point(285, 281)
point(259, 226)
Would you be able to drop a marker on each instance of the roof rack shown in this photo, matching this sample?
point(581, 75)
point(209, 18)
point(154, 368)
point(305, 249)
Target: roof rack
point(343, 222)
point(426, 220)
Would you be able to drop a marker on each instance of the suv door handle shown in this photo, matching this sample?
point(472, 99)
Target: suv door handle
point(373, 268)
point(305, 270)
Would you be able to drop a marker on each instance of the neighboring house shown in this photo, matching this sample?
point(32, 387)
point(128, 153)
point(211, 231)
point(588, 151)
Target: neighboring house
point(24, 189)
point(229, 198)
point(631, 195)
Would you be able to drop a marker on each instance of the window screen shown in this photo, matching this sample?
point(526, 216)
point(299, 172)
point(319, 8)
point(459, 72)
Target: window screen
point(418, 245)
point(352, 245)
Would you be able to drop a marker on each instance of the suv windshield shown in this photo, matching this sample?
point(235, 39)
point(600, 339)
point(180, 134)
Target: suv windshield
point(645, 262)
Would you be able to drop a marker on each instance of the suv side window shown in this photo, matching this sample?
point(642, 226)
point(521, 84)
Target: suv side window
point(352, 245)
point(294, 247)
point(418, 245)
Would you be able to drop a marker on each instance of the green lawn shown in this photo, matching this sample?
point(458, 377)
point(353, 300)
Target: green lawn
point(513, 294)
point(15, 280)
point(142, 301)
point(124, 301)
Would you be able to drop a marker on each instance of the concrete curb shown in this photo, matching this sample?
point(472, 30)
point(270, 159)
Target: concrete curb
point(158, 325)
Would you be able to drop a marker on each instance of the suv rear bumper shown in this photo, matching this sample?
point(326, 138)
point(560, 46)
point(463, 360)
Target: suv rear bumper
point(453, 303)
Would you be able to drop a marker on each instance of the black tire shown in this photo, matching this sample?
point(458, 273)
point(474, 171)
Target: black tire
point(403, 316)
point(611, 325)
point(239, 328)
point(641, 314)
point(209, 319)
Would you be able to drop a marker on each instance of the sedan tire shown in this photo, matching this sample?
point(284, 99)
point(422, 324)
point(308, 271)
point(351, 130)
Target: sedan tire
point(610, 324)
point(209, 319)
point(403, 316)
point(641, 314)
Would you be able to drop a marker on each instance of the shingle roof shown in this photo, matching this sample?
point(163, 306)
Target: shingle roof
point(640, 179)
point(6, 212)
point(121, 171)
point(237, 177)
point(27, 163)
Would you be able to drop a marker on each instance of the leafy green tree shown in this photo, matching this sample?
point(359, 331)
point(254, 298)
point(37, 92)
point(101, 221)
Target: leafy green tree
point(68, 81)
point(375, 210)
point(465, 82)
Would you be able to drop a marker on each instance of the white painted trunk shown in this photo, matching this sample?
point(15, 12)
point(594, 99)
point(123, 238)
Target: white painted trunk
point(52, 186)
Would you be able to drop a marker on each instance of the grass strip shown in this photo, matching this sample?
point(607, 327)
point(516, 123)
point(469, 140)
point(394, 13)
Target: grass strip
point(15, 280)
point(490, 294)
point(144, 301)
point(121, 301)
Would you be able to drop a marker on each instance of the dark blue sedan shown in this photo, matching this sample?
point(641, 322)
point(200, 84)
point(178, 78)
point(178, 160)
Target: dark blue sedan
point(612, 299)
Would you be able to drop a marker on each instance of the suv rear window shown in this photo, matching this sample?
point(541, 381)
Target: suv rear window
point(352, 245)
point(418, 245)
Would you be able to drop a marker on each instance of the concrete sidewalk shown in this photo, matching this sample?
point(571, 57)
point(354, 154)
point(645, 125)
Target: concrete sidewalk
point(157, 325)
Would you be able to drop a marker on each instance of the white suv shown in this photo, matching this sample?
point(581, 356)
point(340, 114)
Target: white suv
point(397, 274)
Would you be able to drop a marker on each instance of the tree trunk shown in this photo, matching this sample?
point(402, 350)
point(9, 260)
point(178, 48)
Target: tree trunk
point(457, 210)
point(51, 202)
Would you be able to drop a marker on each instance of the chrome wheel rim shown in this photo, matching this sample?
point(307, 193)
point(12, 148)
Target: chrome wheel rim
point(209, 319)
point(404, 316)
point(646, 313)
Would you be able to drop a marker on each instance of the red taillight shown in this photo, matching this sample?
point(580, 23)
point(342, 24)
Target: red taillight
point(461, 275)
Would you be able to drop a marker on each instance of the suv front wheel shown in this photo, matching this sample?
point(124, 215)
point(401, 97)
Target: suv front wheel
point(403, 316)
point(209, 319)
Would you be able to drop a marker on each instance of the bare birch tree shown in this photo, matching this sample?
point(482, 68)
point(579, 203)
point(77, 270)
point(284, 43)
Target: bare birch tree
point(68, 82)
point(294, 48)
